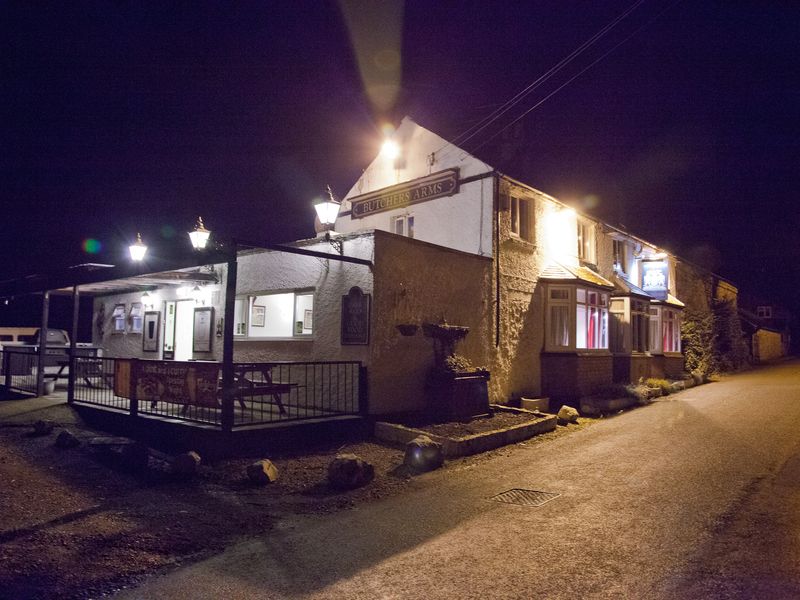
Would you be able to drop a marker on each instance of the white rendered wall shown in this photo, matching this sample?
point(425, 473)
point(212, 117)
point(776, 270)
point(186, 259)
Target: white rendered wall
point(462, 221)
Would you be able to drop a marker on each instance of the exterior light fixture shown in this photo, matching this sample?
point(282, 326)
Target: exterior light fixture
point(137, 249)
point(327, 211)
point(200, 235)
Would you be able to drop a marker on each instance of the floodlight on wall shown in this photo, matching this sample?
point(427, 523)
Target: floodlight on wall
point(200, 235)
point(327, 212)
point(137, 249)
point(149, 300)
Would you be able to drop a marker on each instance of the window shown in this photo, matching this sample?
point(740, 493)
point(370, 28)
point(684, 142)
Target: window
point(403, 225)
point(640, 324)
point(118, 319)
point(586, 241)
point(618, 325)
point(764, 312)
point(655, 327)
point(239, 320)
point(521, 218)
point(671, 330)
point(591, 319)
point(558, 317)
point(274, 315)
point(137, 317)
point(576, 318)
point(621, 257)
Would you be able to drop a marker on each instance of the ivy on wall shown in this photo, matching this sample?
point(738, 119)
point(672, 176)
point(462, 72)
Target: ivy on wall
point(713, 340)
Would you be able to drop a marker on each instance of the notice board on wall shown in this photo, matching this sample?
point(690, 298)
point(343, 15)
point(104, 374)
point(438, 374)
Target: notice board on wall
point(355, 317)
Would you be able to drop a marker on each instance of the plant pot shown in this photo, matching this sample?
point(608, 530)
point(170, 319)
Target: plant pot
point(407, 329)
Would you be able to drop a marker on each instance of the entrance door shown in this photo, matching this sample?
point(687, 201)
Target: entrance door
point(184, 327)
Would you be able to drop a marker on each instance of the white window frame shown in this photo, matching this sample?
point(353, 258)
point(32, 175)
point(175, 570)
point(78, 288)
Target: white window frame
point(405, 224)
point(137, 317)
point(671, 320)
point(654, 343)
point(521, 224)
point(247, 300)
point(118, 319)
point(602, 307)
point(586, 241)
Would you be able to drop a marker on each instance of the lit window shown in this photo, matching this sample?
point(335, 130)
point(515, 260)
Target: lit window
point(591, 320)
point(617, 315)
point(403, 225)
point(586, 241)
point(118, 319)
point(558, 317)
point(588, 330)
point(654, 344)
point(671, 330)
point(137, 317)
point(521, 218)
point(276, 315)
point(239, 320)
point(764, 312)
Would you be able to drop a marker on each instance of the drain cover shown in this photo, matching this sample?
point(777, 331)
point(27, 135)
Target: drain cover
point(525, 497)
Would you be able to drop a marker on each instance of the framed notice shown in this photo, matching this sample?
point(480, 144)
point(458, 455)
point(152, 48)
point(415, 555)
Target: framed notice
point(152, 321)
point(203, 329)
point(308, 319)
point(258, 316)
point(355, 317)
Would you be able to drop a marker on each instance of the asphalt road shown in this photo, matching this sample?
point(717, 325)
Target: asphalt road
point(694, 496)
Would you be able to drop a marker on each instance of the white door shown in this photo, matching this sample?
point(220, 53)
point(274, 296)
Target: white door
point(184, 327)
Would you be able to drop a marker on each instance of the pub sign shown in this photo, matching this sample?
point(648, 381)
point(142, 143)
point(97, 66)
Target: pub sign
point(437, 185)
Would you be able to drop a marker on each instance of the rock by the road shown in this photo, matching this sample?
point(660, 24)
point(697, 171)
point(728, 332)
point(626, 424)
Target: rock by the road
point(423, 454)
point(348, 471)
point(567, 414)
point(262, 472)
point(186, 464)
point(67, 439)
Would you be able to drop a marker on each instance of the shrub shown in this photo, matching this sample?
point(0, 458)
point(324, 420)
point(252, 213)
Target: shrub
point(730, 350)
point(697, 334)
point(666, 386)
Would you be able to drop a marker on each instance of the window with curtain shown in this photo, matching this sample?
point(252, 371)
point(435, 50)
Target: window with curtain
point(591, 319)
point(671, 330)
point(558, 317)
point(640, 324)
point(576, 318)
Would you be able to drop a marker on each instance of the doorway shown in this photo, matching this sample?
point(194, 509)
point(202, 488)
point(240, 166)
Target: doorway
point(184, 328)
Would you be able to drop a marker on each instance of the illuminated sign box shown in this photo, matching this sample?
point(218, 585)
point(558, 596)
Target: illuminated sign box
point(655, 278)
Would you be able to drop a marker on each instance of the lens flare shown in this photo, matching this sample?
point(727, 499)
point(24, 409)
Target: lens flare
point(168, 232)
point(91, 246)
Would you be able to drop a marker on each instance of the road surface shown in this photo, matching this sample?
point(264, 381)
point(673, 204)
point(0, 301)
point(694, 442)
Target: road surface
point(694, 496)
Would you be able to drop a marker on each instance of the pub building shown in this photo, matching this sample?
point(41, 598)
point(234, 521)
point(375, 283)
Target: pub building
point(558, 304)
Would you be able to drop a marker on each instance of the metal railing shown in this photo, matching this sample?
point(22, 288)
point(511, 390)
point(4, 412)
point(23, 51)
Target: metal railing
point(19, 370)
point(264, 392)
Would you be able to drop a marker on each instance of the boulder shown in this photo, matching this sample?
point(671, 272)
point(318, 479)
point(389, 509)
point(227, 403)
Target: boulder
point(262, 472)
point(423, 454)
point(67, 439)
point(567, 414)
point(42, 428)
point(697, 377)
point(135, 457)
point(186, 464)
point(348, 471)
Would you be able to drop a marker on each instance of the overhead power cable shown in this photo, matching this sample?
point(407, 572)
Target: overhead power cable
point(488, 120)
point(571, 79)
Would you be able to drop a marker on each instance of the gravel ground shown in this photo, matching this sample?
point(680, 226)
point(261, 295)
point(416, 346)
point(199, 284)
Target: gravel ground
point(76, 524)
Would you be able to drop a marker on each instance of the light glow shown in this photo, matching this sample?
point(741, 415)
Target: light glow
point(390, 149)
point(199, 237)
point(560, 234)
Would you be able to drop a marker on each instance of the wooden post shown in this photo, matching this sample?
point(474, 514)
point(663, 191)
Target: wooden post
point(228, 385)
point(73, 342)
point(133, 405)
point(42, 344)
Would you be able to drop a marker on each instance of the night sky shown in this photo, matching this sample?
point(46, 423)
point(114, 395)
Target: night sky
point(123, 117)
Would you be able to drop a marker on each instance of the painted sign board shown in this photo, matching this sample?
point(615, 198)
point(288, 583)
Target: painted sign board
point(437, 185)
point(177, 382)
point(655, 278)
